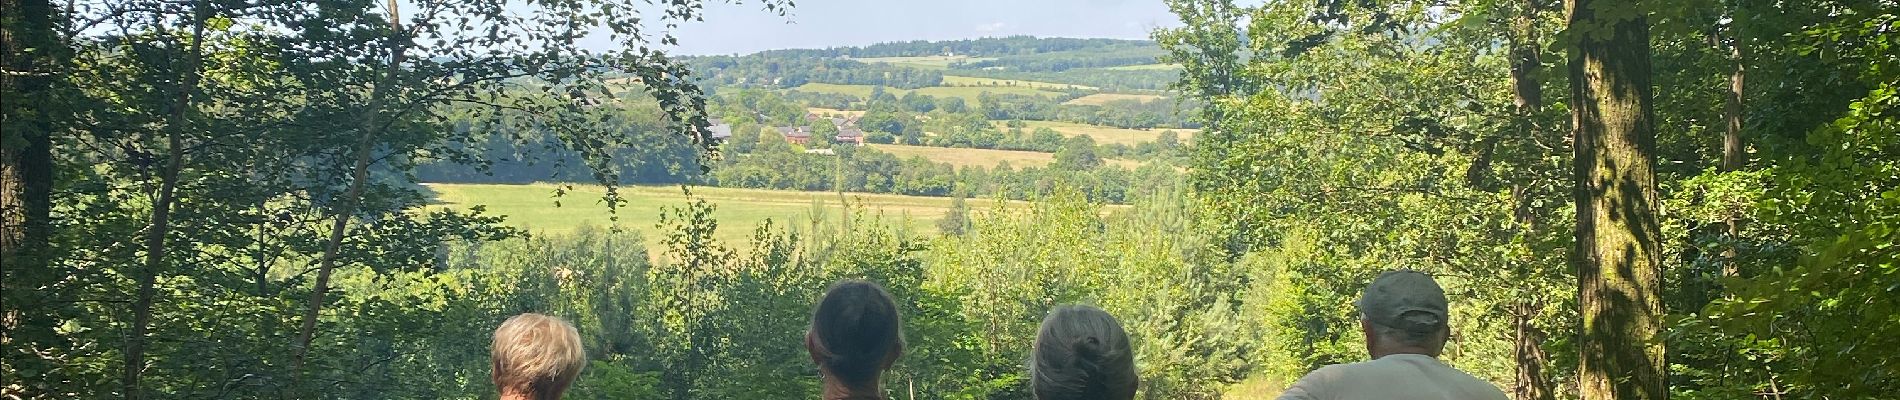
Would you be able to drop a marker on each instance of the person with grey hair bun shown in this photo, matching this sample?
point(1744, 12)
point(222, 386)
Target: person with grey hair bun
point(1406, 319)
point(1081, 353)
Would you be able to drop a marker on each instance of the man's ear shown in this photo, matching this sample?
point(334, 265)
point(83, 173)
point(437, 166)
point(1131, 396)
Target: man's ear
point(1372, 341)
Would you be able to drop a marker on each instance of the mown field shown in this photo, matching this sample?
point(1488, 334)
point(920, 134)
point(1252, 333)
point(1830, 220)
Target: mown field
point(953, 80)
point(968, 93)
point(1101, 134)
point(821, 111)
point(1145, 67)
point(962, 157)
point(928, 62)
point(1103, 98)
point(739, 211)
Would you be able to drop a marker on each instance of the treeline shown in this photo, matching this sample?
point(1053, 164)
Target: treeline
point(1060, 60)
point(1108, 79)
point(767, 161)
point(1111, 55)
point(1126, 113)
point(983, 47)
point(651, 154)
point(759, 70)
point(951, 122)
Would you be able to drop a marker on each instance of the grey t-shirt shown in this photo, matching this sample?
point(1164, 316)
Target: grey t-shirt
point(1396, 377)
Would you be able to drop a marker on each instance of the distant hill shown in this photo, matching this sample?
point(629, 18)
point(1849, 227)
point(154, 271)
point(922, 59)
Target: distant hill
point(985, 47)
point(1105, 64)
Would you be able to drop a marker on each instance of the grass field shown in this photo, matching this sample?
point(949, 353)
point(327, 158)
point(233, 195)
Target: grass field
point(969, 93)
point(953, 80)
point(1101, 134)
point(1103, 98)
point(982, 157)
point(1144, 67)
point(821, 111)
point(927, 62)
point(738, 211)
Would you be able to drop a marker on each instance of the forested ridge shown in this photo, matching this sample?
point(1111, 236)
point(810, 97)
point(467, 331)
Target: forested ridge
point(1624, 199)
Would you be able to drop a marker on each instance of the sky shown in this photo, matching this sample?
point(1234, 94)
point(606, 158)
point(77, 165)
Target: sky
point(748, 28)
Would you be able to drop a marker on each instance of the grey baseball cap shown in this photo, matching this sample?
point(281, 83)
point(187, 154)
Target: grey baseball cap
point(1407, 300)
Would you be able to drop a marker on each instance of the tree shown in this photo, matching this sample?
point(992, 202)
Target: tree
point(823, 134)
point(1078, 153)
point(744, 139)
point(957, 220)
point(913, 135)
point(952, 105)
point(29, 54)
point(1618, 237)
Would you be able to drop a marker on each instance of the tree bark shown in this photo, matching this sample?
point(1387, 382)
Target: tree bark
point(1526, 60)
point(352, 197)
point(1618, 237)
point(26, 159)
point(1732, 152)
point(29, 53)
point(1530, 382)
point(160, 225)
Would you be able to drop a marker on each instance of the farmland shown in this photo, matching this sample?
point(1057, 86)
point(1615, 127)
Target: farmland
point(1103, 98)
point(953, 80)
point(533, 207)
point(968, 93)
point(925, 62)
point(987, 158)
point(1145, 67)
point(1102, 134)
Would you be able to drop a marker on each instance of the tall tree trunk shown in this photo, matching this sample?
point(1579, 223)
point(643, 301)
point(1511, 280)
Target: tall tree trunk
point(1530, 382)
point(1618, 237)
point(1732, 157)
point(160, 225)
point(26, 174)
point(372, 125)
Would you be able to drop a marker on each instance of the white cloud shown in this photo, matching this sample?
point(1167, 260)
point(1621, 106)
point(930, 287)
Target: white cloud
point(990, 27)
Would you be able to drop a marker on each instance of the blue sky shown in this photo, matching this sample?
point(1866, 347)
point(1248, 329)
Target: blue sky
point(747, 28)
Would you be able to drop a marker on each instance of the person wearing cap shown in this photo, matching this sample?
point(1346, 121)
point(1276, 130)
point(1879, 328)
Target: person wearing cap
point(1406, 321)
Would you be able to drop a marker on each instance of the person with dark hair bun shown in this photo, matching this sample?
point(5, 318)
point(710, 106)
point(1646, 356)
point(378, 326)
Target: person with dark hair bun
point(1082, 353)
point(855, 335)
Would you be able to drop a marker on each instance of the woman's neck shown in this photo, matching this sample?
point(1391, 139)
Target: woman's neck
point(835, 390)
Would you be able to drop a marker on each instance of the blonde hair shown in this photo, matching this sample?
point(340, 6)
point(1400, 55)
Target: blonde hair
point(537, 355)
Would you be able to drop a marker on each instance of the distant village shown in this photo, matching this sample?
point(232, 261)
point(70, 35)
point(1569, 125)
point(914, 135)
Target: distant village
point(848, 131)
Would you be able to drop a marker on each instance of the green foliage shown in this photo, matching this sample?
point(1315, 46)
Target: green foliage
point(1078, 153)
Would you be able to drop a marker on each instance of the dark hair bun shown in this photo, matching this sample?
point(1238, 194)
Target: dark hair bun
point(856, 328)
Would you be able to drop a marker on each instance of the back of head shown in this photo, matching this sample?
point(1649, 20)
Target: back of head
point(536, 355)
point(1082, 353)
point(856, 331)
point(1406, 307)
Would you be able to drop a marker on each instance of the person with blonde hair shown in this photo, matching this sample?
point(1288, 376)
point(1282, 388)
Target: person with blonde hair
point(536, 357)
